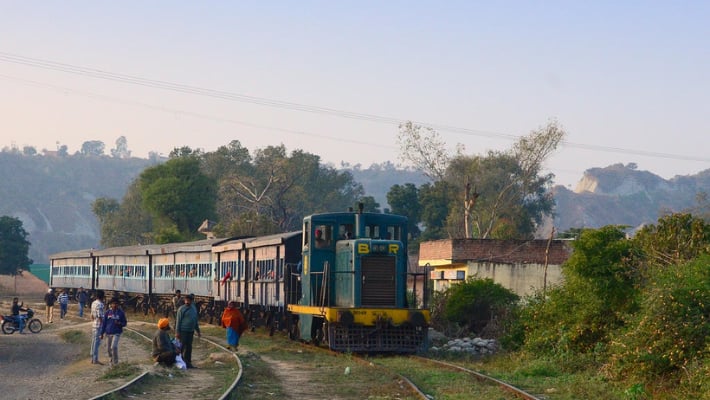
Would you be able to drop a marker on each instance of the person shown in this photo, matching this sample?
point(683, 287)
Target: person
point(186, 325)
point(63, 303)
point(164, 350)
point(233, 320)
point(16, 308)
point(81, 297)
point(97, 318)
point(112, 326)
point(49, 300)
point(177, 302)
point(320, 242)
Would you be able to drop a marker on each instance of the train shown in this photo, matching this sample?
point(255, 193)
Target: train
point(340, 281)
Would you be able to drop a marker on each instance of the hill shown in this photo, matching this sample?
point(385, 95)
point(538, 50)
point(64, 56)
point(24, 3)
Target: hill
point(621, 195)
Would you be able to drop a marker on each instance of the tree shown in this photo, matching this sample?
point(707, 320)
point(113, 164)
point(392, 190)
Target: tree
point(14, 246)
point(676, 239)
point(125, 223)
point(424, 149)
point(404, 200)
point(29, 150)
point(178, 193)
point(121, 150)
point(370, 205)
point(93, 148)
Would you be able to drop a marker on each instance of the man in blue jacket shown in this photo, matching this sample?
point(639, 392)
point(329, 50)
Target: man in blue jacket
point(114, 321)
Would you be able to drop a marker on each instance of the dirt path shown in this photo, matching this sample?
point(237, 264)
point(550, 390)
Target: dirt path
point(43, 365)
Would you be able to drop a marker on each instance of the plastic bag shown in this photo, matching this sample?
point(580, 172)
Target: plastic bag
point(177, 344)
point(179, 363)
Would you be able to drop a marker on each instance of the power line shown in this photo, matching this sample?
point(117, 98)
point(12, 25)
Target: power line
point(158, 84)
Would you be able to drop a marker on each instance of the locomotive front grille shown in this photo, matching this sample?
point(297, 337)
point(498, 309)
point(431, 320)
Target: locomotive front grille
point(378, 281)
point(384, 339)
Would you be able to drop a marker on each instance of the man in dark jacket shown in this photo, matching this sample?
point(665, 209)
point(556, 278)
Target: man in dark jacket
point(114, 321)
point(186, 324)
point(49, 300)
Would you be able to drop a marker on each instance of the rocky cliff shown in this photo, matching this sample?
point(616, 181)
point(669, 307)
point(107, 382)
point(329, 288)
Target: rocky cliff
point(621, 195)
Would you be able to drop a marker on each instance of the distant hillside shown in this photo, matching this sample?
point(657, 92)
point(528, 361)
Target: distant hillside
point(621, 195)
point(379, 178)
point(52, 196)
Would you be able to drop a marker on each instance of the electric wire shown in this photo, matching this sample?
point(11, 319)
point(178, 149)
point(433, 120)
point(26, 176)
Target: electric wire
point(195, 90)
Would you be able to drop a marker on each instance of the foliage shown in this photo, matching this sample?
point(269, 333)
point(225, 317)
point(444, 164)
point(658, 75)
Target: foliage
point(404, 200)
point(278, 189)
point(93, 148)
point(599, 291)
point(178, 194)
point(125, 223)
point(14, 246)
point(500, 195)
point(423, 148)
point(670, 335)
point(121, 150)
point(676, 238)
point(476, 303)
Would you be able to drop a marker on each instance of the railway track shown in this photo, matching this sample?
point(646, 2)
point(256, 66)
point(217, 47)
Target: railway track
point(416, 374)
point(214, 379)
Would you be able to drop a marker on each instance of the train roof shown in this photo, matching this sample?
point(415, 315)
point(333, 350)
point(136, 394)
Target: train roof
point(353, 213)
point(72, 254)
point(252, 242)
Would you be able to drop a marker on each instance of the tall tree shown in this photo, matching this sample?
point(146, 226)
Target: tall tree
point(178, 195)
point(121, 150)
point(424, 149)
point(404, 200)
point(14, 246)
point(93, 148)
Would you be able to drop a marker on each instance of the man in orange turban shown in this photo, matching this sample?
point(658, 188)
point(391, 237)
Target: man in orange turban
point(164, 350)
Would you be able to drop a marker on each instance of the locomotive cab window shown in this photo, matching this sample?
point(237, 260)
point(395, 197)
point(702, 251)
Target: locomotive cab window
point(323, 236)
point(373, 231)
point(345, 231)
point(394, 232)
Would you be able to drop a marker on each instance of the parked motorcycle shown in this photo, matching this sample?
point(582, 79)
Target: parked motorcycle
point(10, 324)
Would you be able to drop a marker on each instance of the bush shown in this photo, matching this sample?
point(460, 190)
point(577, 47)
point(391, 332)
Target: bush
point(671, 332)
point(478, 306)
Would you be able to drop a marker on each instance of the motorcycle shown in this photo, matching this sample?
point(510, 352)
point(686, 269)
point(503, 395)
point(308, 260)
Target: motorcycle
point(10, 324)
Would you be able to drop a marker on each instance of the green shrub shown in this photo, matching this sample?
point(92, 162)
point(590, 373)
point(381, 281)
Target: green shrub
point(672, 330)
point(478, 305)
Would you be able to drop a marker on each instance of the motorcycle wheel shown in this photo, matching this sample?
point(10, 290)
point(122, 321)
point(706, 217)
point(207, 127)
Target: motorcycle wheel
point(35, 326)
point(8, 328)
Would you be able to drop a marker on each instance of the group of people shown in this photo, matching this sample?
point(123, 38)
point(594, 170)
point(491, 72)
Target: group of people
point(109, 324)
point(50, 299)
point(166, 350)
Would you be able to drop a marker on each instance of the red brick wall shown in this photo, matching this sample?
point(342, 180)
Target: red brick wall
point(494, 250)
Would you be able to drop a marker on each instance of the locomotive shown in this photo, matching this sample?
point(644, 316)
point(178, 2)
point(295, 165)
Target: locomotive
point(341, 280)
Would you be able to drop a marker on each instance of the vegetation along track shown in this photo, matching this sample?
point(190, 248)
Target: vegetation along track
point(216, 377)
point(429, 379)
point(448, 381)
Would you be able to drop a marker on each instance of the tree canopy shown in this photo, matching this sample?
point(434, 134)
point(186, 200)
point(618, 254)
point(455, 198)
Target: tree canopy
point(14, 246)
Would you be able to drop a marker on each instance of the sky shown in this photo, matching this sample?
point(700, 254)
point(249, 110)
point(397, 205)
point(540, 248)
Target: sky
point(628, 81)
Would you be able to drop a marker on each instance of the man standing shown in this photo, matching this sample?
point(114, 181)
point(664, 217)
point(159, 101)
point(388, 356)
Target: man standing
point(63, 303)
point(97, 318)
point(114, 321)
point(49, 300)
point(177, 301)
point(81, 297)
point(186, 324)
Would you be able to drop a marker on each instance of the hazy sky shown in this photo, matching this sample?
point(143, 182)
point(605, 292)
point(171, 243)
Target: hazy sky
point(628, 80)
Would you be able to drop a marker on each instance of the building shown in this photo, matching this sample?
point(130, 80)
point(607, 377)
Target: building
point(522, 266)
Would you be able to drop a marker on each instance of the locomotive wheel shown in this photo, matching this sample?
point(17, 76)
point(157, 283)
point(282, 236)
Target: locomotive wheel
point(35, 326)
point(8, 328)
